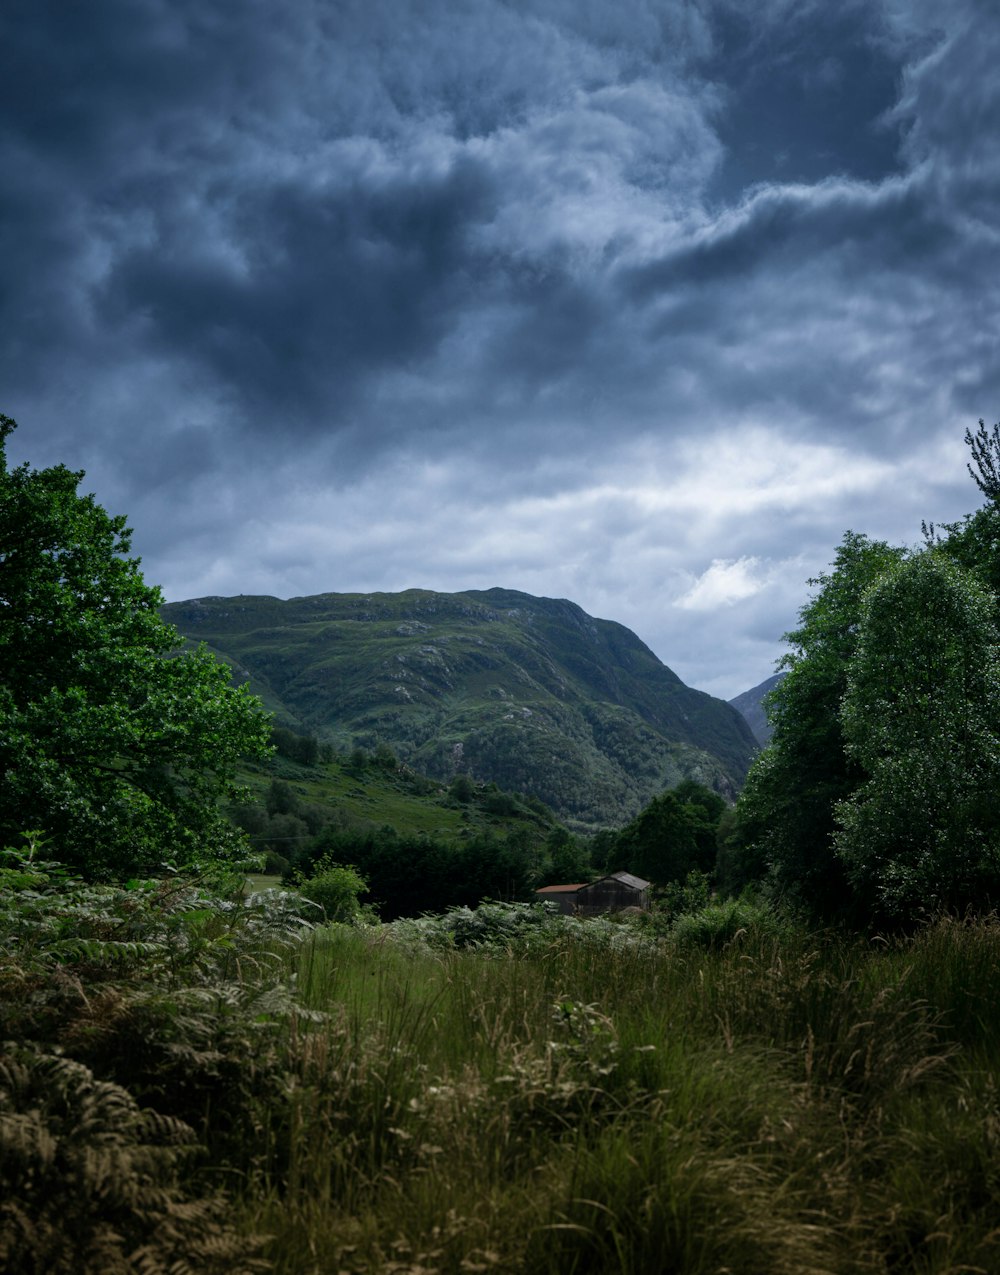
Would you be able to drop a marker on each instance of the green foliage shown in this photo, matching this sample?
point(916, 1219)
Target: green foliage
point(659, 844)
point(172, 929)
point(875, 799)
point(716, 925)
point(299, 802)
point(680, 897)
point(692, 793)
point(410, 874)
point(417, 845)
point(501, 1089)
point(462, 788)
point(675, 834)
point(568, 860)
point(973, 543)
point(494, 925)
point(786, 811)
point(764, 1100)
point(111, 741)
point(304, 749)
point(921, 716)
point(334, 887)
point(985, 448)
point(528, 693)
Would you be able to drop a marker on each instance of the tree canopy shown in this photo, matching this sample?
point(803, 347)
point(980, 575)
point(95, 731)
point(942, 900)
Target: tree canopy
point(671, 836)
point(921, 716)
point(876, 795)
point(786, 810)
point(113, 741)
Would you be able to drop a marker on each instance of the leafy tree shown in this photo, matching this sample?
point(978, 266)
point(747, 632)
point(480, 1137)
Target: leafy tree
point(660, 843)
point(281, 798)
point(705, 809)
point(974, 541)
point(877, 791)
point(693, 793)
point(115, 744)
point(985, 448)
point(786, 811)
point(462, 788)
point(921, 717)
point(304, 749)
point(568, 860)
point(384, 757)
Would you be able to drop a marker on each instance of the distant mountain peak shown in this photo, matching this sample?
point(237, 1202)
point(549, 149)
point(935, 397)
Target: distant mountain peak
point(750, 706)
point(531, 693)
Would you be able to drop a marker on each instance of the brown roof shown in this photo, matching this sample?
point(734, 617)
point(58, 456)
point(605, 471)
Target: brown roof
point(560, 889)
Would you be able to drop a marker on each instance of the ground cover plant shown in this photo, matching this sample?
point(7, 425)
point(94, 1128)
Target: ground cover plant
point(499, 1088)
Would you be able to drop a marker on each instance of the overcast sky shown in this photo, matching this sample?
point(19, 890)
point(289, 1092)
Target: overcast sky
point(641, 303)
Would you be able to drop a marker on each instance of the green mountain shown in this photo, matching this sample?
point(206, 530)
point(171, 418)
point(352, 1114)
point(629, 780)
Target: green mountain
point(530, 693)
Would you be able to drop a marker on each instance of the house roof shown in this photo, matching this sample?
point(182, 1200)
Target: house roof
point(627, 879)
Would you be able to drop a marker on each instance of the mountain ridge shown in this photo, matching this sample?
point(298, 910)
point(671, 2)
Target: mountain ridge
point(531, 693)
point(750, 706)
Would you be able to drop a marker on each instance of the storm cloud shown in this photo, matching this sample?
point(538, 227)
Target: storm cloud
point(637, 303)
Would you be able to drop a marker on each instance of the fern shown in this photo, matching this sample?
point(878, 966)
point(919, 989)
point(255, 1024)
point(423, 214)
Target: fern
point(89, 1182)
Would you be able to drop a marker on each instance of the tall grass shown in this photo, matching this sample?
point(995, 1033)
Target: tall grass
point(785, 1104)
point(512, 1092)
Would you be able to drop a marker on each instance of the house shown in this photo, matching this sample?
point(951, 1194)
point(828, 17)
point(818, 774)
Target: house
point(564, 895)
point(592, 898)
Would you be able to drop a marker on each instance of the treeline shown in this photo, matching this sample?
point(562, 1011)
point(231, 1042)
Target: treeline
point(876, 801)
point(307, 750)
point(407, 873)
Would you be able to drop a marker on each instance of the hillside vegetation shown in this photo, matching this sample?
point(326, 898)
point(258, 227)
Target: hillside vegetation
point(418, 844)
point(530, 693)
point(750, 706)
point(411, 844)
point(190, 1086)
point(373, 789)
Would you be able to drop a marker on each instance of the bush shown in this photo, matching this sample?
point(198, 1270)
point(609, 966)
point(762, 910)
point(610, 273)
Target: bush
point(720, 924)
point(335, 887)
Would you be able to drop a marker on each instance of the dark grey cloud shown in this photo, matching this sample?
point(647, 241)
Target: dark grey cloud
point(314, 290)
point(811, 90)
point(637, 303)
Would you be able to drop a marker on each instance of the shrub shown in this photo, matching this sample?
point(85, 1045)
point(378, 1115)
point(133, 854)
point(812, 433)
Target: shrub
point(719, 924)
point(335, 887)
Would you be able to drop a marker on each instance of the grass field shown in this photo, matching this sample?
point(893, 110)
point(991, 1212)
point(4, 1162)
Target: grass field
point(565, 1096)
point(796, 1104)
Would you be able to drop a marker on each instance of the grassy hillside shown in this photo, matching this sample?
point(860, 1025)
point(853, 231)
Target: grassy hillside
point(409, 802)
point(531, 693)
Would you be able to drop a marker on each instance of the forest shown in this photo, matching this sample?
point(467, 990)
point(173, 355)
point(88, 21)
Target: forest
point(385, 1056)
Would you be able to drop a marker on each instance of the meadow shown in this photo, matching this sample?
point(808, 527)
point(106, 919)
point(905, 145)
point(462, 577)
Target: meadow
point(194, 1085)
